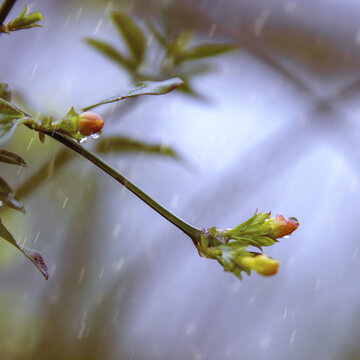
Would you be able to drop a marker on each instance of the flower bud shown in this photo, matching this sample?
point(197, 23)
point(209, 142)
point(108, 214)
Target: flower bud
point(90, 123)
point(262, 264)
point(281, 226)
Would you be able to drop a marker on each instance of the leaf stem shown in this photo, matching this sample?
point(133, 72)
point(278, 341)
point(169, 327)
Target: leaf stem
point(189, 230)
point(5, 9)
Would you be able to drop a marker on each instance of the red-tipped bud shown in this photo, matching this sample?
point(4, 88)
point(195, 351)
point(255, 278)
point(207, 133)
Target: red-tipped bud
point(281, 226)
point(90, 123)
point(262, 264)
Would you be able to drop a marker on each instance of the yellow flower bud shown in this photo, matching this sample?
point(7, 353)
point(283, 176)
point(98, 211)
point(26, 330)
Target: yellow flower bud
point(262, 264)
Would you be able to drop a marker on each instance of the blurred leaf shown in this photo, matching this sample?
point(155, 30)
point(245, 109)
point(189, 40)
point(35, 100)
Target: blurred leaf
point(142, 88)
point(11, 158)
point(34, 256)
point(160, 38)
point(44, 172)
point(9, 114)
point(132, 34)
point(122, 144)
point(205, 50)
point(319, 53)
point(187, 89)
point(190, 69)
point(110, 52)
point(5, 93)
point(7, 197)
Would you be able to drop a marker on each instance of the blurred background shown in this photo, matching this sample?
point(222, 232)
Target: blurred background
point(271, 125)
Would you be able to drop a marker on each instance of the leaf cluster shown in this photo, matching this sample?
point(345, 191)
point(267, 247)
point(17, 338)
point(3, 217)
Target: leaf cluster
point(11, 115)
point(179, 52)
point(229, 246)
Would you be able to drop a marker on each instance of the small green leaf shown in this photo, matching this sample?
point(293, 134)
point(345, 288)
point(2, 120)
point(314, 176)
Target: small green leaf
point(9, 111)
point(110, 52)
point(132, 35)
point(5, 93)
point(142, 88)
point(34, 256)
point(9, 118)
point(205, 50)
point(121, 144)
point(24, 21)
point(11, 158)
point(7, 197)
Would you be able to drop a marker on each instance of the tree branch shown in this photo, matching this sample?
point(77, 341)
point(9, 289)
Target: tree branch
point(189, 230)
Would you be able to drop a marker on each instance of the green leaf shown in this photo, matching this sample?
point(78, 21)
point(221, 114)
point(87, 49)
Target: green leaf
point(34, 256)
point(24, 21)
point(132, 35)
point(142, 88)
point(9, 118)
point(7, 197)
point(160, 38)
point(205, 50)
point(192, 69)
point(11, 158)
point(122, 144)
point(5, 93)
point(9, 111)
point(110, 52)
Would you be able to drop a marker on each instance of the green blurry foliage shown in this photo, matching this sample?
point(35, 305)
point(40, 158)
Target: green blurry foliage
point(179, 53)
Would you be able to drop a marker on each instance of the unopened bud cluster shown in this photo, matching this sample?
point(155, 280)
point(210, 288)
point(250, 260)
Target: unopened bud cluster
point(229, 246)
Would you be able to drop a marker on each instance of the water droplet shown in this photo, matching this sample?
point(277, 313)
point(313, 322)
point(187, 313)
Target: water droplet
point(95, 136)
